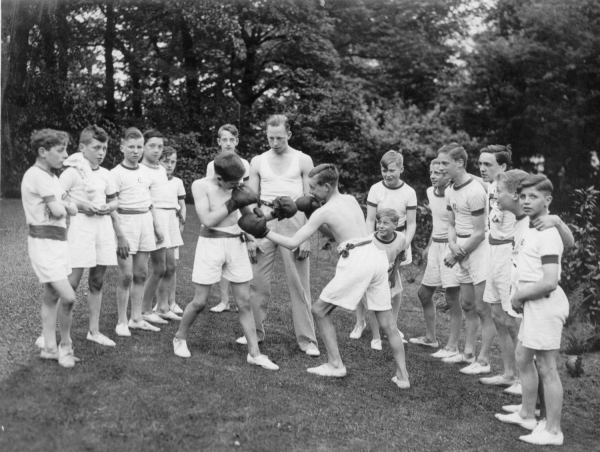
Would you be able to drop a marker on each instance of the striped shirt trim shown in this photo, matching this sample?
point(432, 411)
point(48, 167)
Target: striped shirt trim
point(550, 259)
point(478, 212)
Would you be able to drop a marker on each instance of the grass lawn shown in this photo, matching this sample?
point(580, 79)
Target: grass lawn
point(139, 396)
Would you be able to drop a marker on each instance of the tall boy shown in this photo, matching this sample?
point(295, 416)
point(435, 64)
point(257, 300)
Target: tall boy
point(136, 219)
point(361, 268)
point(436, 273)
point(46, 209)
point(545, 309)
point(221, 251)
point(228, 139)
point(91, 236)
point(466, 202)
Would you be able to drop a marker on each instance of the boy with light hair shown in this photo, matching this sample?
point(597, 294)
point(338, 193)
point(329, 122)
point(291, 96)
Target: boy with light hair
point(46, 208)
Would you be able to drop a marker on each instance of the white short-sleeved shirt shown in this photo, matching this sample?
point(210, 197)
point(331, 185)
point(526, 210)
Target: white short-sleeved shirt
point(392, 248)
point(100, 181)
point(159, 186)
point(466, 201)
point(501, 222)
point(38, 188)
point(210, 169)
point(401, 199)
point(521, 228)
point(132, 186)
point(439, 214)
point(538, 248)
point(176, 187)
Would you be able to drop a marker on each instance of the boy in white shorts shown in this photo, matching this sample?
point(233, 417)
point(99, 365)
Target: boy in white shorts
point(164, 204)
point(139, 226)
point(466, 202)
point(391, 193)
point(545, 309)
point(91, 236)
point(46, 209)
point(228, 139)
point(393, 242)
point(361, 268)
point(221, 251)
point(169, 160)
point(436, 273)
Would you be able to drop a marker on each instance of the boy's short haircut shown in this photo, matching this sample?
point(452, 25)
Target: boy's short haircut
point(167, 152)
point(433, 163)
point(133, 133)
point(230, 167)
point(229, 128)
point(277, 120)
point(538, 182)
point(93, 132)
point(503, 154)
point(152, 133)
point(325, 173)
point(455, 152)
point(47, 139)
point(387, 213)
point(391, 157)
point(512, 179)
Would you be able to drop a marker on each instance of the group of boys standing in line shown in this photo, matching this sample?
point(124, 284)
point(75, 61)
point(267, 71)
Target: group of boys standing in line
point(138, 209)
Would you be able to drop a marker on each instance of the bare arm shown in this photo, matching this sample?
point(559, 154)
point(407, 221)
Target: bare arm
point(543, 287)
point(478, 235)
point(554, 221)
point(371, 212)
point(57, 208)
point(411, 226)
point(122, 244)
point(207, 218)
point(158, 232)
point(254, 180)
point(302, 235)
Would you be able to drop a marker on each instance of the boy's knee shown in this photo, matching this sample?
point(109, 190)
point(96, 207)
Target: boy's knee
point(140, 276)
point(159, 270)
point(423, 296)
point(126, 279)
point(318, 310)
point(68, 300)
point(498, 316)
point(170, 270)
point(198, 305)
point(95, 284)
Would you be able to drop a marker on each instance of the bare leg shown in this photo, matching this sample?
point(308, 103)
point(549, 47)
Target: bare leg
point(322, 312)
point(140, 272)
point(467, 299)
point(158, 271)
point(124, 284)
point(387, 323)
point(65, 310)
point(192, 310)
point(456, 315)
point(95, 283)
point(529, 380)
point(425, 294)
point(507, 347)
point(242, 299)
point(488, 330)
point(165, 283)
point(374, 324)
point(553, 390)
point(361, 314)
point(224, 287)
point(49, 307)
point(396, 303)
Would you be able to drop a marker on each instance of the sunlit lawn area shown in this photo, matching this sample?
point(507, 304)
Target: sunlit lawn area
point(139, 396)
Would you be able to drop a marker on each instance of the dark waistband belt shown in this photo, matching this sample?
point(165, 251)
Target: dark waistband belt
point(436, 240)
point(345, 252)
point(132, 211)
point(46, 231)
point(495, 242)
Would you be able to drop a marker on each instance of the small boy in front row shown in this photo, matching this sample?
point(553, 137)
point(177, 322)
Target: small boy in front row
point(393, 242)
point(545, 309)
point(46, 209)
point(221, 252)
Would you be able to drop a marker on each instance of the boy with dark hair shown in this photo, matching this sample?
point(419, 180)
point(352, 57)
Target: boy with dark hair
point(91, 235)
point(361, 268)
point(46, 208)
point(221, 251)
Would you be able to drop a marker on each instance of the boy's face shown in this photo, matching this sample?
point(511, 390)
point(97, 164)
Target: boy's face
point(534, 202)
point(227, 141)
point(448, 166)
point(391, 174)
point(169, 163)
point(385, 227)
point(228, 184)
point(489, 167)
point(506, 199)
point(278, 138)
point(317, 191)
point(438, 180)
point(55, 156)
point(94, 152)
point(153, 149)
point(132, 149)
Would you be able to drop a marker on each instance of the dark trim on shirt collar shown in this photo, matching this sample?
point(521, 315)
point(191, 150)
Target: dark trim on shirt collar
point(393, 188)
point(383, 241)
point(130, 168)
point(458, 187)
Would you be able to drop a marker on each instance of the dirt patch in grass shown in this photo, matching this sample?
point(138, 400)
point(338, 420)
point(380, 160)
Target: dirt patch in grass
point(139, 396)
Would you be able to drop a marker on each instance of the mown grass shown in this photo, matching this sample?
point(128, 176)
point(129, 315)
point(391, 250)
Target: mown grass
point(139, 396)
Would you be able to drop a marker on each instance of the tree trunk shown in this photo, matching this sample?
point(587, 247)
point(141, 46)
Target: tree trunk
point(109, 44)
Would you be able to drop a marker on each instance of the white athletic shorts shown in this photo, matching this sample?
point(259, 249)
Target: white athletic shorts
point(91, 241)
point(497, 286)
point(363, 272)
point(436, 273)
point(139, 232)
point(543, 320)
point(398, 288)
point(222, 257)
point(167, 219)
point(474, 268)
point(50, 259)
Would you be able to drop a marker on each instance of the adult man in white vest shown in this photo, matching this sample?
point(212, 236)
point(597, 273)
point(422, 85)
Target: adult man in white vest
point(282, 171)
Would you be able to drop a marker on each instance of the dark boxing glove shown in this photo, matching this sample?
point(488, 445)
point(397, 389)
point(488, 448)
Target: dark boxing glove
point(254, 223)
point(241, 196)
point(307, 204)
point(284, 207)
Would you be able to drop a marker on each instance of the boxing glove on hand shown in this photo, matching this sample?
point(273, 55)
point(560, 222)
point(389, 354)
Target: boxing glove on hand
point(284, 207)
point(241, 196)
point(254, 223)
point(307, 204)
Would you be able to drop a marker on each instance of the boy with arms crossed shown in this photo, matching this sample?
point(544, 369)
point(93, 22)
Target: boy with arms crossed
point(46, 211)
point(91, 236)
point(221, 252)
point(466, 202)
point(228, 140)
point(136, 220)
point(436, 273)
point(361, 268)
